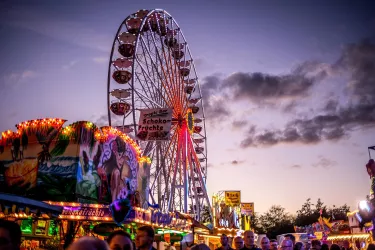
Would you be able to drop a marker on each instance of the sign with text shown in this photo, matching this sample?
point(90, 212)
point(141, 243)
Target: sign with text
point(87, 212)
point(247, 208)
point(232, 198)
point(154, 124)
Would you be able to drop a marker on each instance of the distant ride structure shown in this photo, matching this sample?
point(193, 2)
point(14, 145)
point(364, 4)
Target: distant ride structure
point(151, 68)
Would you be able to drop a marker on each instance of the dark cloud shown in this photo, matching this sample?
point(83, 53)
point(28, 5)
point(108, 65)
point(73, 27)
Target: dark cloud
point(214, 106)
point(334, 122)
point(290, 107)
point(257, 86)
point(331, 105)
point(324, 163)
point(296, 166)
point(359, 60)
point(239, 124)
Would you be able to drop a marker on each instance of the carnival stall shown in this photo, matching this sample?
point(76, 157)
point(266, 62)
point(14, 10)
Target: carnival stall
point(84, 174)
point(351, 231)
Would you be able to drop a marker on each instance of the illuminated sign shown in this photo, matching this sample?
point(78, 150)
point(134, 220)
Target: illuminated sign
point(247, 208)
point(232, 198)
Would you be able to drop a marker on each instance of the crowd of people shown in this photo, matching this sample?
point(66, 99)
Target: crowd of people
point(10, 239)
point(288, 243)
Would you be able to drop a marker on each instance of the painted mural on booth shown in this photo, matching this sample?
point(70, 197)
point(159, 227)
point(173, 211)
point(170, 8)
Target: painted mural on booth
point(80, 162)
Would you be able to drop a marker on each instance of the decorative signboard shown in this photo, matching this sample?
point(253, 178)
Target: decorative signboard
point(154, 124)
point(232, 198)
point(99, 212)
point(247, 208)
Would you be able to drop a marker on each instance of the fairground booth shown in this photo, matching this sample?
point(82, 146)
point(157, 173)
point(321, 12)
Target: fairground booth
point(339, 231)
point(60, 183)
point(230, 217)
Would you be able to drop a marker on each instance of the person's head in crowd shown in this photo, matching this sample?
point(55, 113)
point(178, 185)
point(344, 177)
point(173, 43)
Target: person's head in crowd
point(336, 247)
point(370, 246)
point(291, 237)
point(265, 243)
point(144, 238)
point(224, 240)
point(248, 238)
point(324, 247)
point(89, 243)
point(286, 244)
point(238, 242)
point(299, 246)
point(10, 235)
point(120, 240)
point(201, 246)
point(274, 244)
point(316, 245)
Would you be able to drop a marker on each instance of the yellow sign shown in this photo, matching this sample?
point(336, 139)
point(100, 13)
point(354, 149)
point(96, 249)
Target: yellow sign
point(247, 208)
point(319, 235)
point(232, 198)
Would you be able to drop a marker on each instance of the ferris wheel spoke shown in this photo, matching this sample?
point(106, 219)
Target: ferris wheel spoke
point(144, 72)
point(150, 87)
point(168, 102)
point(180, 78)
point(172, 82)
point(164, 85)
point(153, 65)
point(166, 76)
point(171, 68)
point(140, 94)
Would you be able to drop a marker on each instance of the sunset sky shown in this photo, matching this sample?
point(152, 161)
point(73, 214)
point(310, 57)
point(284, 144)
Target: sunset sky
point(289, 86)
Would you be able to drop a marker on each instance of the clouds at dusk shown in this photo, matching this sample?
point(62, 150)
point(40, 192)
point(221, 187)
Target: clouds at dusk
point(330, 121)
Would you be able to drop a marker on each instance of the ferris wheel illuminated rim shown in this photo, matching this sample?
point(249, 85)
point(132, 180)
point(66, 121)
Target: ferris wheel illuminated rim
point(151, 66)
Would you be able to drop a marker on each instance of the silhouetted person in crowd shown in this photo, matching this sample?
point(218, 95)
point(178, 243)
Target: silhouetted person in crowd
point(89, 243)
point(145, 238)
point(287, 244)
point(10, 235)
point(248, 238)
point(291, 237)
point(316, 245)
point(299, 246)
point(120, 240)
point(238, 242)
point(265, 243)
point(336, 247)
point(224, 243)
point(274, 244)
point(201, 246)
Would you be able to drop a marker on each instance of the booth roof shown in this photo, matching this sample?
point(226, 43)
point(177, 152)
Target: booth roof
point(20, 201)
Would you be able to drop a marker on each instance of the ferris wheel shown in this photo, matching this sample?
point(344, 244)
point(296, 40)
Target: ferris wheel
point(151, 67)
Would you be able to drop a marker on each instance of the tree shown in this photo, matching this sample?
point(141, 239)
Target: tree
point(256, 225)
point(305, 216)
point(338, 213)
point(310, 213)
point(277, 221)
